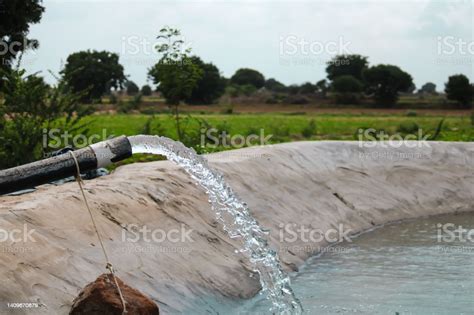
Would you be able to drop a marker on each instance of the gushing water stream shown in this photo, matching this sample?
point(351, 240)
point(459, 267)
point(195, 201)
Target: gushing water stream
point(233, 214)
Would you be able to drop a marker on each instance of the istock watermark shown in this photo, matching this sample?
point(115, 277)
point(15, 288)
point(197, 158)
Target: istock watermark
point(371, 138)
point(133, 45)
point(14, 47)
point(212, 138)
point(134, 233)
point(57, 138)
point(292, 45)
point(23, 235)
point(449, 233)
point(292, 232)
point(453, 45)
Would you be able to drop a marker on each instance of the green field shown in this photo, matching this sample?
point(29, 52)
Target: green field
point(287, 127)
point(283, 128)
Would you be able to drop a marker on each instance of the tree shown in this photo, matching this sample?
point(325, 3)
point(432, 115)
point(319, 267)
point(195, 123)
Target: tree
point(175, 74)
point(322, 87)
point(210, 86)
point(353, 65)
point(274, 85)
point(16, 17)
point(248, 76)
point(94, 73)
point(385, 82)
point(459, 89)
point(429, 88)
point(307, 88)
point(132, 88)
point(146, 90)
point(32, 113)
point(347, 89)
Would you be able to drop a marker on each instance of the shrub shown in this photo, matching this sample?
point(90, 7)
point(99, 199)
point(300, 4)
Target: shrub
point(271, 100)
point(153, 127)
point(347, 89)
point(408, 127)
point(113, 98)
point(132, 88)
point(127, 106)
point(309, 130)
point(146, 90)
point(438, 129)
point(280, 133)
point(307, 88)
point(460, 90)
point(429, 88)
point(296, 100)
point(247, 89)
point(247, 76)
point(228, 109)
point(274, 85)
point(30, 110)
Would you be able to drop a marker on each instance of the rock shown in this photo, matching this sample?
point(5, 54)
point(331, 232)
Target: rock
point(102, 298)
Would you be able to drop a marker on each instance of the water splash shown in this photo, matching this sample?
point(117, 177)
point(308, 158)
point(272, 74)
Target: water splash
point(233, 214)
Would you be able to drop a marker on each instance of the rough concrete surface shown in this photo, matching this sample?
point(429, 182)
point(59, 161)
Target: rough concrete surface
point(318, 185)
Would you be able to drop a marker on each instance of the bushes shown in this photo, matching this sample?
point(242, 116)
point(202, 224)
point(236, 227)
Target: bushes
point(30, 112)
point(132, 88)
point(146, 90)
point(209, 87)
point(408, 127)
point(132, 104)
point(94, 73)
point(247, 76)
point(347, 89)
point(310, 129)
point(280, 133)
point(460, 90)
point(296, 100)
point(385, 82)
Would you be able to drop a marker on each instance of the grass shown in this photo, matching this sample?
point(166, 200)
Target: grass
point(328, 126)
point(282, 127)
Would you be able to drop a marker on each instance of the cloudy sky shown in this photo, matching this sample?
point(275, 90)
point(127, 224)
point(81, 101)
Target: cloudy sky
point(287, 40)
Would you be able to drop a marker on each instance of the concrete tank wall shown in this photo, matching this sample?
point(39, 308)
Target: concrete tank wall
point(315, 185)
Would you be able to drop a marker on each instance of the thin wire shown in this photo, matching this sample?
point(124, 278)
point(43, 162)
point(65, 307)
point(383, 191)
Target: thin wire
point(108, 265)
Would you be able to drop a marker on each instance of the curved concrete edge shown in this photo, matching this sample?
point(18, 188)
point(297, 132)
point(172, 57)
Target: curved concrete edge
point(309, 185)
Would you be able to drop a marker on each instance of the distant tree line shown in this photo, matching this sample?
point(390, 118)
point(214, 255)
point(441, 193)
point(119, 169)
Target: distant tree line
point(187, 78)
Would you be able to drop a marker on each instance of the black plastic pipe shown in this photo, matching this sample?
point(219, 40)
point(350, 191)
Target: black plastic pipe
point(58, 167)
